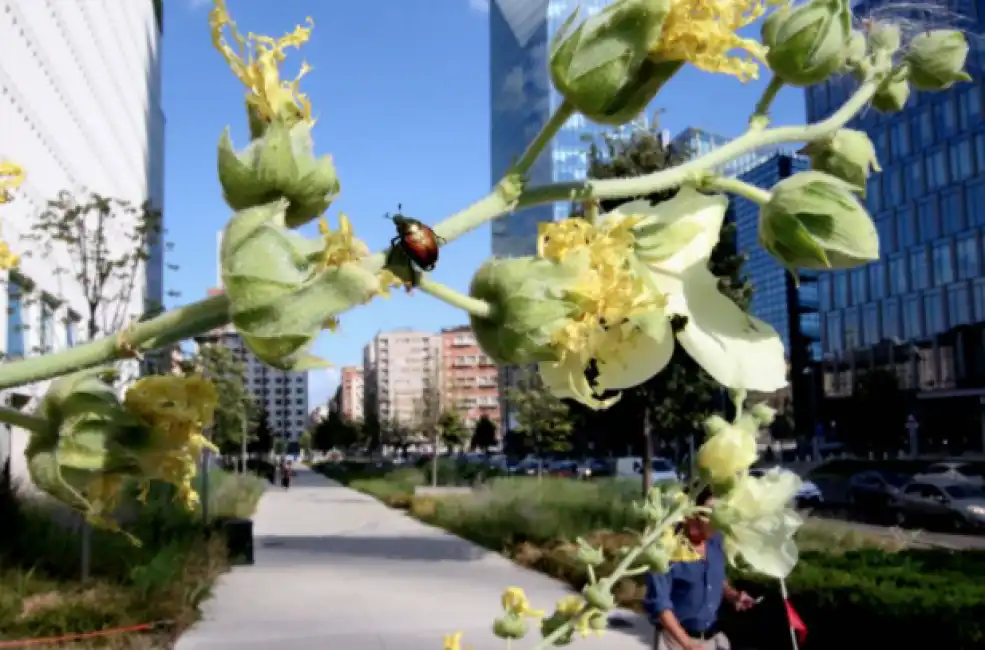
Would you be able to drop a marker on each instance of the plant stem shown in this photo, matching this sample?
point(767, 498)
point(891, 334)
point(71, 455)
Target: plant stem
point(662, 180)
point(748, 191)
point(761, 115)
point(21, 419)
point(542, 139)
point(474, 306)
point(166, 329)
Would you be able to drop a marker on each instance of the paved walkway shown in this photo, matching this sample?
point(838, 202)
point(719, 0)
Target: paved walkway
point(337, 570)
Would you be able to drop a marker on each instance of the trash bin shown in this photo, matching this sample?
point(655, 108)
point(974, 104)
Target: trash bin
point(239, 539)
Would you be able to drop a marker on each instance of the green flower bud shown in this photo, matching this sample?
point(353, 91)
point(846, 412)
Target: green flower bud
point(655, 558)
point(937, 59)
point(598, 622)
point(589, 556)
point(599, 597)
point(848, 155)
point(280, 163)
point(602, 67)
point(763, 413)
point(855, 51)
point(892, 95)
point(885, 37)
point(814, 221)
point(552, 623)
point(510, 626)
point(281, 292)
point(715, 424)
point(807, 43)
point(529, 304)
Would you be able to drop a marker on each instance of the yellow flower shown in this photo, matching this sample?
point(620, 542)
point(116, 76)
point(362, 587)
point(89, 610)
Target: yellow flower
point(389, 280)
point(621, 326)
point(704, 33)
point(340, 245)
point(256, 60)
point(570, 605)
point(8, 259)
point(677, 547)
point(515, 602)
point(11, 176)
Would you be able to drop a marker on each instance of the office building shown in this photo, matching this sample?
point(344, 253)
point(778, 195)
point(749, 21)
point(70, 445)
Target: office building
point(697, 142)
point(80, 109)
point(776, 299)
point(469, 378)
point(351, 394)
point(920, 309)
point(401, 376)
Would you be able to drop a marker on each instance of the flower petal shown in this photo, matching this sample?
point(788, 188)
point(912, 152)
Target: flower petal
point(641, 359)
point(567, 381)
point(705, 213)
point(767, 544)
point(736, 349)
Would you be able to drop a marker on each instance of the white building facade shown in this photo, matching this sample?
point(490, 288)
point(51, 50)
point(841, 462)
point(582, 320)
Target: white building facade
point(80, 111)
point(401, 368)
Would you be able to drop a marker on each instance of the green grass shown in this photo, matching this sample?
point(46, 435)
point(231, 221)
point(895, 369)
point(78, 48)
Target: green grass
point(165, 578)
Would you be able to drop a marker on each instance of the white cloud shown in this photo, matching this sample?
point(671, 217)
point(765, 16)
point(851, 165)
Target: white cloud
point(322, 385)
point(480, 6)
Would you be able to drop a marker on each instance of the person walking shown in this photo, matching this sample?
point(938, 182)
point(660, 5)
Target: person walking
point(683, 603)
point(285, 473)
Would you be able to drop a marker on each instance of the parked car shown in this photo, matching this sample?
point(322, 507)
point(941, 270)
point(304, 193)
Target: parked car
point(808, 496)
point(942, 504)
point(661, 470)
point(563, 469)
point(953, 470)
point(872, 492)
point(595, 468)
point(528, 467)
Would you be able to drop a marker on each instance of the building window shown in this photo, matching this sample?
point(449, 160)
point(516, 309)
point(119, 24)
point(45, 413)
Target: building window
point(898, 278)
point(906, 233)
point(923, 128)
point(894, 186)
point(978, 299)
point(900, 140)
point(936, 170)
point(912, 323)
point(934, 311)
point(852, 338)
point(873, 194)
point(890, 319)
point(914, 179)
point(969, 107)
point(927, 224)
point(835, 333)
point(877, 280)
point(824, 292)
point(958, 310)
point(841, 289)
point(860, 285)
point(952, 212)
point(945, 119)
point(919, 272)
point(47, 334)
point(943, 263)
point(967, 256)
point(882, 148)
point(975, 204)
point(15, 318)
point(870, 326)
point(962, 166)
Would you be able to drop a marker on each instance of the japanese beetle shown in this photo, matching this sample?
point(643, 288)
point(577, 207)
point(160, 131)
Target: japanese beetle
point(417, 240)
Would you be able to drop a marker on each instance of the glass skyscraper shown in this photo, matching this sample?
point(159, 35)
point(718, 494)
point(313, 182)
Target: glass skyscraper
point(920, 310)
point(776, 299)
point(697, 142)
point(522, 99)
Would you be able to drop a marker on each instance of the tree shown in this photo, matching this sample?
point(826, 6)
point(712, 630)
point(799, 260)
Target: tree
point(454, 433)
point(679, 399)
point(334, 432)
point(428, 418)
point(236, 405)
point(263, 434)
point(305, 441)
point(544, 421)
point(484, 435)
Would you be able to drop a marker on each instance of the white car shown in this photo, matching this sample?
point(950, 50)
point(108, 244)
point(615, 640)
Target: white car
point(808, 495)
point(953, 470)
point(661, 470)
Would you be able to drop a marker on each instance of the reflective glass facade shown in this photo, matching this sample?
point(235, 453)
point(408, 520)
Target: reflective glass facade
point(912, 309)
point(522, 99)
point(697, 142)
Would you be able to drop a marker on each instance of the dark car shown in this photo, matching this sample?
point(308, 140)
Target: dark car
point(872, 492)
point(595, 468)
point(942, 504)
point(563, 469)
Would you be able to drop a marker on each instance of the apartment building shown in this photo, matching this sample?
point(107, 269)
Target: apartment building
point(469, 378)
point(80, 109)
point(352, 394)
point(401, 373)
point(283, 394)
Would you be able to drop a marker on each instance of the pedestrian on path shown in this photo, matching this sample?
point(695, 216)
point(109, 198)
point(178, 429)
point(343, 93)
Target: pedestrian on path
point(683, 603)
point(285, 473)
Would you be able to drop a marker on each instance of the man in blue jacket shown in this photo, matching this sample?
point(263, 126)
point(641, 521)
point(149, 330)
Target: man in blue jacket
point(683, 603)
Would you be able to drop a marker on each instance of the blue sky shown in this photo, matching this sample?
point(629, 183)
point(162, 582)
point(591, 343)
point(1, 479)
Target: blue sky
point(401, 92)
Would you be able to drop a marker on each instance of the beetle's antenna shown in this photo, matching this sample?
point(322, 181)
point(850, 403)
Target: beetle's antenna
point(400, 207)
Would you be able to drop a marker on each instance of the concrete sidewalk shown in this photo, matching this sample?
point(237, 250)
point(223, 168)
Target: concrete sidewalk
point(337, 570)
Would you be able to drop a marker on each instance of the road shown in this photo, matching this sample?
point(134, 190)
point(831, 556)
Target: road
point(920, 538)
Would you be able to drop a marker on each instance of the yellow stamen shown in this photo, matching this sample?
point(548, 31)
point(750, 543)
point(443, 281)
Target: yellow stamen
point(256, 60)
point(704, 32)
point(340, 245)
